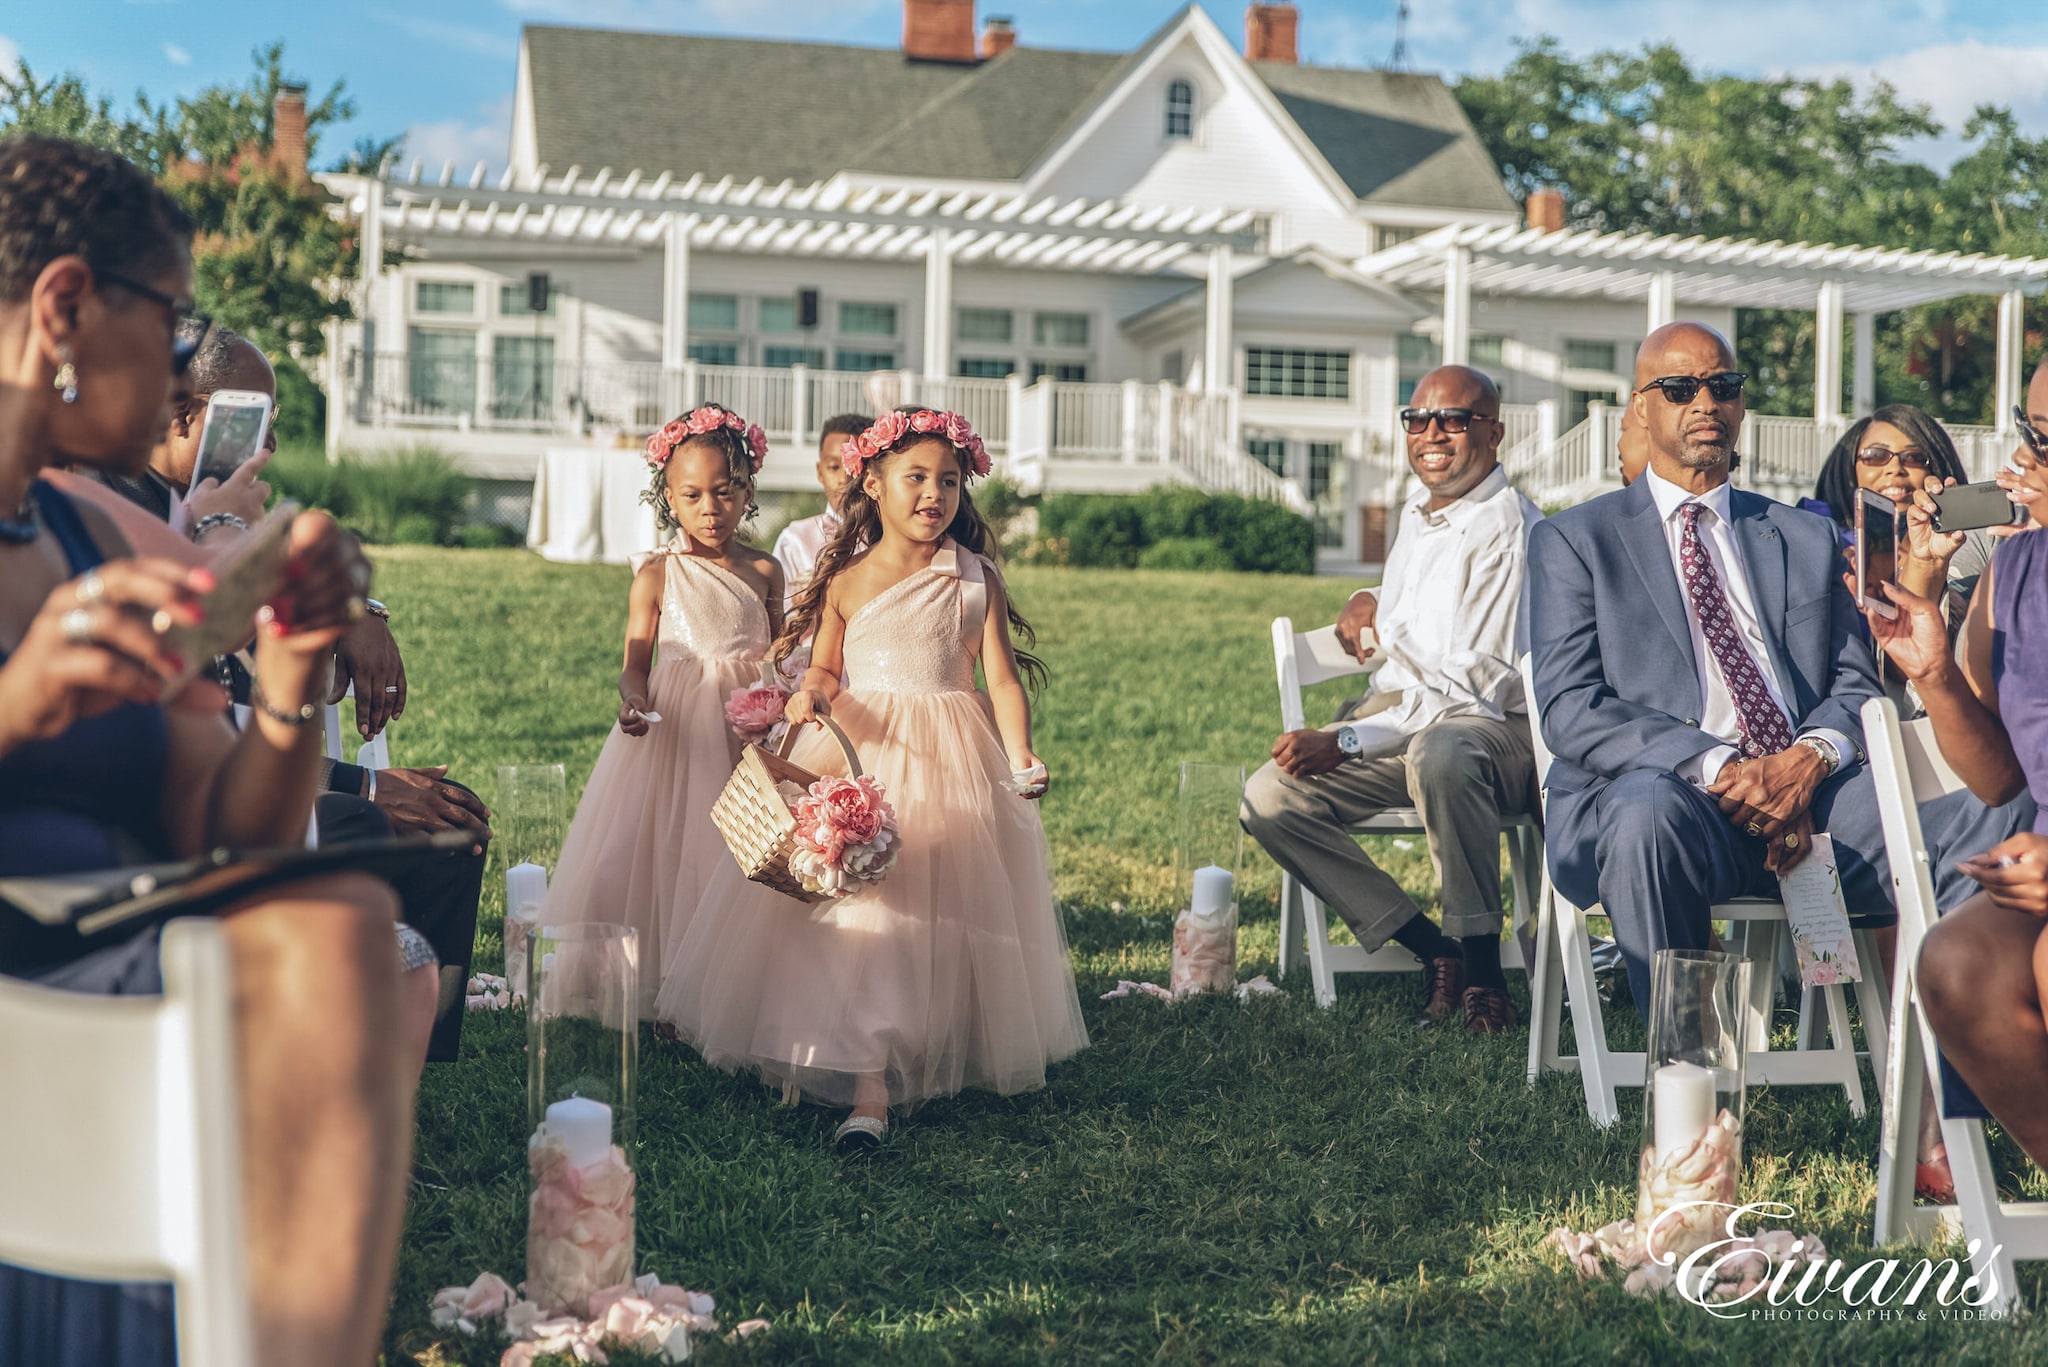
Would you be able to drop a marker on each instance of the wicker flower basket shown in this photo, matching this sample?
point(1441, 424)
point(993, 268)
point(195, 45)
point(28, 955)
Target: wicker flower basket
point(755, 818)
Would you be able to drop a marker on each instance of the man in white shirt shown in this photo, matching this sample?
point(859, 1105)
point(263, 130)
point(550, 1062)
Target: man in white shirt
point(804, 540)
point(1442, 729)
point(1699, 673)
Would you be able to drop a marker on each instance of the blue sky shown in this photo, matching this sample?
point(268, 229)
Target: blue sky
point(442, 70)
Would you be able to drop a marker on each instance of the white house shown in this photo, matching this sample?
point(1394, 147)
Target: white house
point(1188, 263)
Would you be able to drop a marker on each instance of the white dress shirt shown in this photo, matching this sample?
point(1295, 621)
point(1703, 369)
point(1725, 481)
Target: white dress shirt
point(1449, 616)
point(1717, 706)
point(799, 547)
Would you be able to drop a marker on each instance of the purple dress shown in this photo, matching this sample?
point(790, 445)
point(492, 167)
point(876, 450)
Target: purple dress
point(2019, 647)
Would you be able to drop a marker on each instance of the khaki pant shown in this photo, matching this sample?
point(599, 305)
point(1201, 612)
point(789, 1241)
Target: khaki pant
point(1463, 775)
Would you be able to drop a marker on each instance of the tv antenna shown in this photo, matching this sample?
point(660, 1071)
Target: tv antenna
point(1399, 61)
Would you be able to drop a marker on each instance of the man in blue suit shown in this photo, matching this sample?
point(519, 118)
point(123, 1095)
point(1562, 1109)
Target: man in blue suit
point(1699, 676)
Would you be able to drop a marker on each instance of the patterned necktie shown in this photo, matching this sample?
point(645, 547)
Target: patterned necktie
point(1764, 728)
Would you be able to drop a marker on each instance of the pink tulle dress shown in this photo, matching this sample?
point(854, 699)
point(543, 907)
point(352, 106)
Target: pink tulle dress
point(642, 846)
point(952, 972)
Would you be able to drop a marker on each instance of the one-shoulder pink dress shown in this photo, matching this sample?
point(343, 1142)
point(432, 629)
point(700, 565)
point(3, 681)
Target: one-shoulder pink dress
point(950, 973)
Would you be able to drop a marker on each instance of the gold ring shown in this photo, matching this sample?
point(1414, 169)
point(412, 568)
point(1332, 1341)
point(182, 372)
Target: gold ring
point(91, 588)
point(1791, 840)
point(161, 621)
point(1752, 830)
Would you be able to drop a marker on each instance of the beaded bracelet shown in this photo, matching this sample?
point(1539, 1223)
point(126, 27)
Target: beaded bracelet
point(212, 520)
point(305, 714)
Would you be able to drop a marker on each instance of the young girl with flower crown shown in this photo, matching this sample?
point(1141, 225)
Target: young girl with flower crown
point(951, 971)
point(700, 616)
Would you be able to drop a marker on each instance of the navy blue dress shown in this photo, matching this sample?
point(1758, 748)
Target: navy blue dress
point(86, 799)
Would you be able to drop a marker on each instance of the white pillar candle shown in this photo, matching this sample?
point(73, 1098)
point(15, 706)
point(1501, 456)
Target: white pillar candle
point(526, 890)
point(526, 885)
point(584, 1127)
point(1683, 1094)
point(1212, 896)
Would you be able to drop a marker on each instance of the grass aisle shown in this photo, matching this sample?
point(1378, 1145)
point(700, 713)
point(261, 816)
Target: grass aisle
point(1213, 1182)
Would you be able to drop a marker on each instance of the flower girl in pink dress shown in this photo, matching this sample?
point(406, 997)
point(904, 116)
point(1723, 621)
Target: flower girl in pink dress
point(701, 615)
point(952, 971)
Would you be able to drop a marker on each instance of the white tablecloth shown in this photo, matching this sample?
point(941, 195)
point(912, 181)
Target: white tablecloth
point(586, 506)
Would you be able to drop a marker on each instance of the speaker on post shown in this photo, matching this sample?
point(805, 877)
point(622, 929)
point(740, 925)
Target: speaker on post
point(537, 292)
point(806, 308)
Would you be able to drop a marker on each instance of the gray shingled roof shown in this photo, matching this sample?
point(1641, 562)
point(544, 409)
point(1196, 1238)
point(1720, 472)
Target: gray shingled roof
point(805, 111)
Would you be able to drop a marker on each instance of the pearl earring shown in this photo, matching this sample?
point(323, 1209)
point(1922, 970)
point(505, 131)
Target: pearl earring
point(66, 382)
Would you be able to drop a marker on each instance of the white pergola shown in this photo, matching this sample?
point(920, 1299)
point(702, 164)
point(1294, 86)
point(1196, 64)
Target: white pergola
point(939, 225)
point(1669, 272)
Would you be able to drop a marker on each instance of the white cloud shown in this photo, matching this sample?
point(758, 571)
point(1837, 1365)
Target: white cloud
point(811, 19)
point(176, 55)
point(487, 139)
point(10, 54)
point(1953, 79)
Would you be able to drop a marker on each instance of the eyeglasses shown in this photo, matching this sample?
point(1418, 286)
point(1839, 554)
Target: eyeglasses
point(1415, 421)
point(188, 326)
point(2037, 445)
point(1912, 457)
point(1683, 388)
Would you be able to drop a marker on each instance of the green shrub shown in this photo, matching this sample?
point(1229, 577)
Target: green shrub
point(1114, 530)
point(488, 536)
point(413, 497)
point(301, 407)
point(1185, 553)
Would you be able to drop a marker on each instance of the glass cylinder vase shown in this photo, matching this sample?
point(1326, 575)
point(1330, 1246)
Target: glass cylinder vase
point(531, 816)
point(1693, 1093)
point(1209, 863)
point(583, 1045)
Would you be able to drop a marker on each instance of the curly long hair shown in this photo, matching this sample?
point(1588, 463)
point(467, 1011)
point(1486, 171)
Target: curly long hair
point(1837, 485)
point(861, 527)
point(739, 464)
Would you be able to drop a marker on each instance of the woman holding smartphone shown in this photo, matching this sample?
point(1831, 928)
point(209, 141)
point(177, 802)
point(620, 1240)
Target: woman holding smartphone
point(96, 772)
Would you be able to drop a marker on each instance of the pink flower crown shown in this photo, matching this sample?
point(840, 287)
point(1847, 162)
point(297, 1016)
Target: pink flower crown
point(892, 427)
point(696, 423)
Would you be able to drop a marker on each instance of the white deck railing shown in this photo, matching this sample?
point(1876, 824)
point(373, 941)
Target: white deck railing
point(1194, 437)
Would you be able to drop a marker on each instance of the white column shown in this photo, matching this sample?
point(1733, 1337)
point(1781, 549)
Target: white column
point(1218, 372)
point(1132, 400)
point(1862, 364)
point(370, 268)
point(1827, 353)
point(2011, 335)
point(800, 405)
point(1663, 300)
point(938, 305)
point(1458, 306)
point(675, 292)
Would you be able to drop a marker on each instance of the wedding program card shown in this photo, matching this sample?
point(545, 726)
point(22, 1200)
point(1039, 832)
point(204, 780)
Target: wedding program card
point(1820, 918)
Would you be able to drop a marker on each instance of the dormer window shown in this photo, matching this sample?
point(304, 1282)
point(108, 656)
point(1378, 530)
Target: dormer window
point(1180, 109)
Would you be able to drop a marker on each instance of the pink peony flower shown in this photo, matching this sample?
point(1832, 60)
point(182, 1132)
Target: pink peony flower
point(850, 456)
point(755, 713)
point(757, 442)
point(924, 420)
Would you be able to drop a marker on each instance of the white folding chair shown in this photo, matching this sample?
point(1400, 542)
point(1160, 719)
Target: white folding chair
point(376, 751)
point(1758, 926)
point(123, 1162)
point(1908, 769)
point(1303, 659)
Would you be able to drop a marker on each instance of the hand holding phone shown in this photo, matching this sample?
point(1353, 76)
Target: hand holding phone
point(237, 420)
point(1877, 551)
point(1972, 507)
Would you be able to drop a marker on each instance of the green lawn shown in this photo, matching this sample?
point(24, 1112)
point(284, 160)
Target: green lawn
point(1212, 1182)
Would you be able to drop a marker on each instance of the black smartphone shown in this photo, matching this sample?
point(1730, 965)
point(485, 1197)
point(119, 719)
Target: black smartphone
point(1969, 507)
point(1877, 551)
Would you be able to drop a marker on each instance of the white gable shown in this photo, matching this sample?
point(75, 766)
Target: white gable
point(1243, 154)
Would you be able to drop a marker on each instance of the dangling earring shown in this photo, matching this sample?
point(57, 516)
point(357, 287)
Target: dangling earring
point(66, 382)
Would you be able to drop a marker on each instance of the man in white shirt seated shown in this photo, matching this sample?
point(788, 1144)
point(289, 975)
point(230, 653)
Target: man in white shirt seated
point(804, 540)
point(1442, 730)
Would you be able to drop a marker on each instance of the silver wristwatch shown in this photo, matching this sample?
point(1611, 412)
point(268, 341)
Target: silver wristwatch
point(1825, 749)
point(1347, 741)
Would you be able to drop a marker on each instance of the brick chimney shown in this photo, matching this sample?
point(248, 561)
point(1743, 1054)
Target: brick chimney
point(1545, 210)
point(939, 30)
point(1269, 33)
point(288, 131)
point(997, 37)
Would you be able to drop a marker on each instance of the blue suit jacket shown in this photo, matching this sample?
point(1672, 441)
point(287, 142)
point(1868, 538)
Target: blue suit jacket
point(1617, 688)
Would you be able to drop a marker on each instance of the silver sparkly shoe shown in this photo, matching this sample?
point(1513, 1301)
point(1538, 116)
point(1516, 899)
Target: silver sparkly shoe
point(859, 1134)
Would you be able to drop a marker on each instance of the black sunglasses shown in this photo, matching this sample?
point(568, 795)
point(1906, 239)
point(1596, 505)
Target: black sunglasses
point(188, 326)
point(1415, 421)
point(1912, 457)
point(2030, 434)
point(1684, 388)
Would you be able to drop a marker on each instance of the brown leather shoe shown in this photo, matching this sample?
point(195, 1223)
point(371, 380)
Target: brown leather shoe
point(1444, 983)
point(1488, 1011)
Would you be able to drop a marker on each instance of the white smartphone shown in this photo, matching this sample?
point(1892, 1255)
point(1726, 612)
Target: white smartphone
point(1877, 551)
point(237, 420)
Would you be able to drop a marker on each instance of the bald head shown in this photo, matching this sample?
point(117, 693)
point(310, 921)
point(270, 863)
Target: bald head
point(226, 360)
point(1691, 441)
